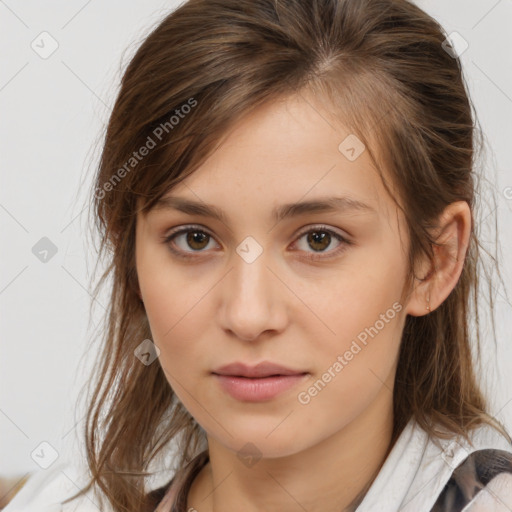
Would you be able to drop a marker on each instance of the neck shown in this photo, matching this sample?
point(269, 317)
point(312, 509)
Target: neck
point(307, 480)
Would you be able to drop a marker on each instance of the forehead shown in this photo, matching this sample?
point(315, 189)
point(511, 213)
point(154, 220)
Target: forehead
point(287, 151)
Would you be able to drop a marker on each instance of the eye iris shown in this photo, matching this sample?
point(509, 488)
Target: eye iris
point(194, 237)
point(318, 240)
point(316, 237)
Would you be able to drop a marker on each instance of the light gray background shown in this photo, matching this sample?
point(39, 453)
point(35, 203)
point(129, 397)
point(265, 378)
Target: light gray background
point(52, 113)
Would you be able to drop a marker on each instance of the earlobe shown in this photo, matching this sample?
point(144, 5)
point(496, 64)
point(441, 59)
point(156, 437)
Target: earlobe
point(451, 243)
point(420, 302)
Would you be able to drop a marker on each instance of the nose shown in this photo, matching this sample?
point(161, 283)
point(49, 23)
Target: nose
point(254, 299)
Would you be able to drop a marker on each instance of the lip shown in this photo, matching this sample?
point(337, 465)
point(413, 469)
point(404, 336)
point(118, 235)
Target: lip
point(263, 369)
point(257, 383)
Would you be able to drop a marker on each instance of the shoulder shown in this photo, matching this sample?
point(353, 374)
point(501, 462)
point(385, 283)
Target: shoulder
point(45, 491)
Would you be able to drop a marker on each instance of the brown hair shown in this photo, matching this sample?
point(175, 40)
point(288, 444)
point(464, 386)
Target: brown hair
point(382, 67)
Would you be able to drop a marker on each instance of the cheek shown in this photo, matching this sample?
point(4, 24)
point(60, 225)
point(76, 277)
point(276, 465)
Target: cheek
point(351, 374)
point(364, 317)
point(178, 329)
point(361, 298)
point(173, 304)
point(177, 323)
point(166, 293)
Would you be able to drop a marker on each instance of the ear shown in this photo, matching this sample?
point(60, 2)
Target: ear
point(439, 276)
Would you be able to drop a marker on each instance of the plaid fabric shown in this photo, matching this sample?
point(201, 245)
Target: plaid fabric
point(470, 477)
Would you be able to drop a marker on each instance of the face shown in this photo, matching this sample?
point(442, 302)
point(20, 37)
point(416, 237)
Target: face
point(315, 290)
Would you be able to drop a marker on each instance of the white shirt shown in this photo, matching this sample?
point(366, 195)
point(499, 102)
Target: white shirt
point(410, 480)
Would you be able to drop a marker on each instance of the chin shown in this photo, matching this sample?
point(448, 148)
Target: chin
point(263, 437)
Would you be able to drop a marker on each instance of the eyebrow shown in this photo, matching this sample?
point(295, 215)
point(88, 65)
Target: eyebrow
point(342, 204)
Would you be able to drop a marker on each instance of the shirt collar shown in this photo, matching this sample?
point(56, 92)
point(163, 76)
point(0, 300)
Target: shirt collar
point(419, 466)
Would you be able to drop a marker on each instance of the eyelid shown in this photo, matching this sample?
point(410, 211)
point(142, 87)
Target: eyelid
point(166, 238)
point(323, 227)
point(187, 227)
point(307, 229)
point(344, 240)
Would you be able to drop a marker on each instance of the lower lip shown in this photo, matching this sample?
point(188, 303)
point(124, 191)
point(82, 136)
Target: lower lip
point(258, 389)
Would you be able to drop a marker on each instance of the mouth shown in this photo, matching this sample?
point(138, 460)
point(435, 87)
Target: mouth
point(261, 370)
point(258, 383)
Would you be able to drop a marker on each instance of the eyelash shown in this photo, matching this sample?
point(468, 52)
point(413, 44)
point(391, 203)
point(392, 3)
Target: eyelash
point(313, 256)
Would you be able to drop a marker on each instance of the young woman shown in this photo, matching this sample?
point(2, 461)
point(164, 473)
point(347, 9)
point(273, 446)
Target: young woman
point(287, 195)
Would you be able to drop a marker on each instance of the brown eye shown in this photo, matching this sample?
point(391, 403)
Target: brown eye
point(186, 241)
point(196, 239)
point(319, 239)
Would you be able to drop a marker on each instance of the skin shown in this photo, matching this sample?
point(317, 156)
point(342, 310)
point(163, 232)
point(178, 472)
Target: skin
point(216, 308)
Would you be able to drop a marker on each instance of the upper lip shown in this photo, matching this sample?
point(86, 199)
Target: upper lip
point(263, 369)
